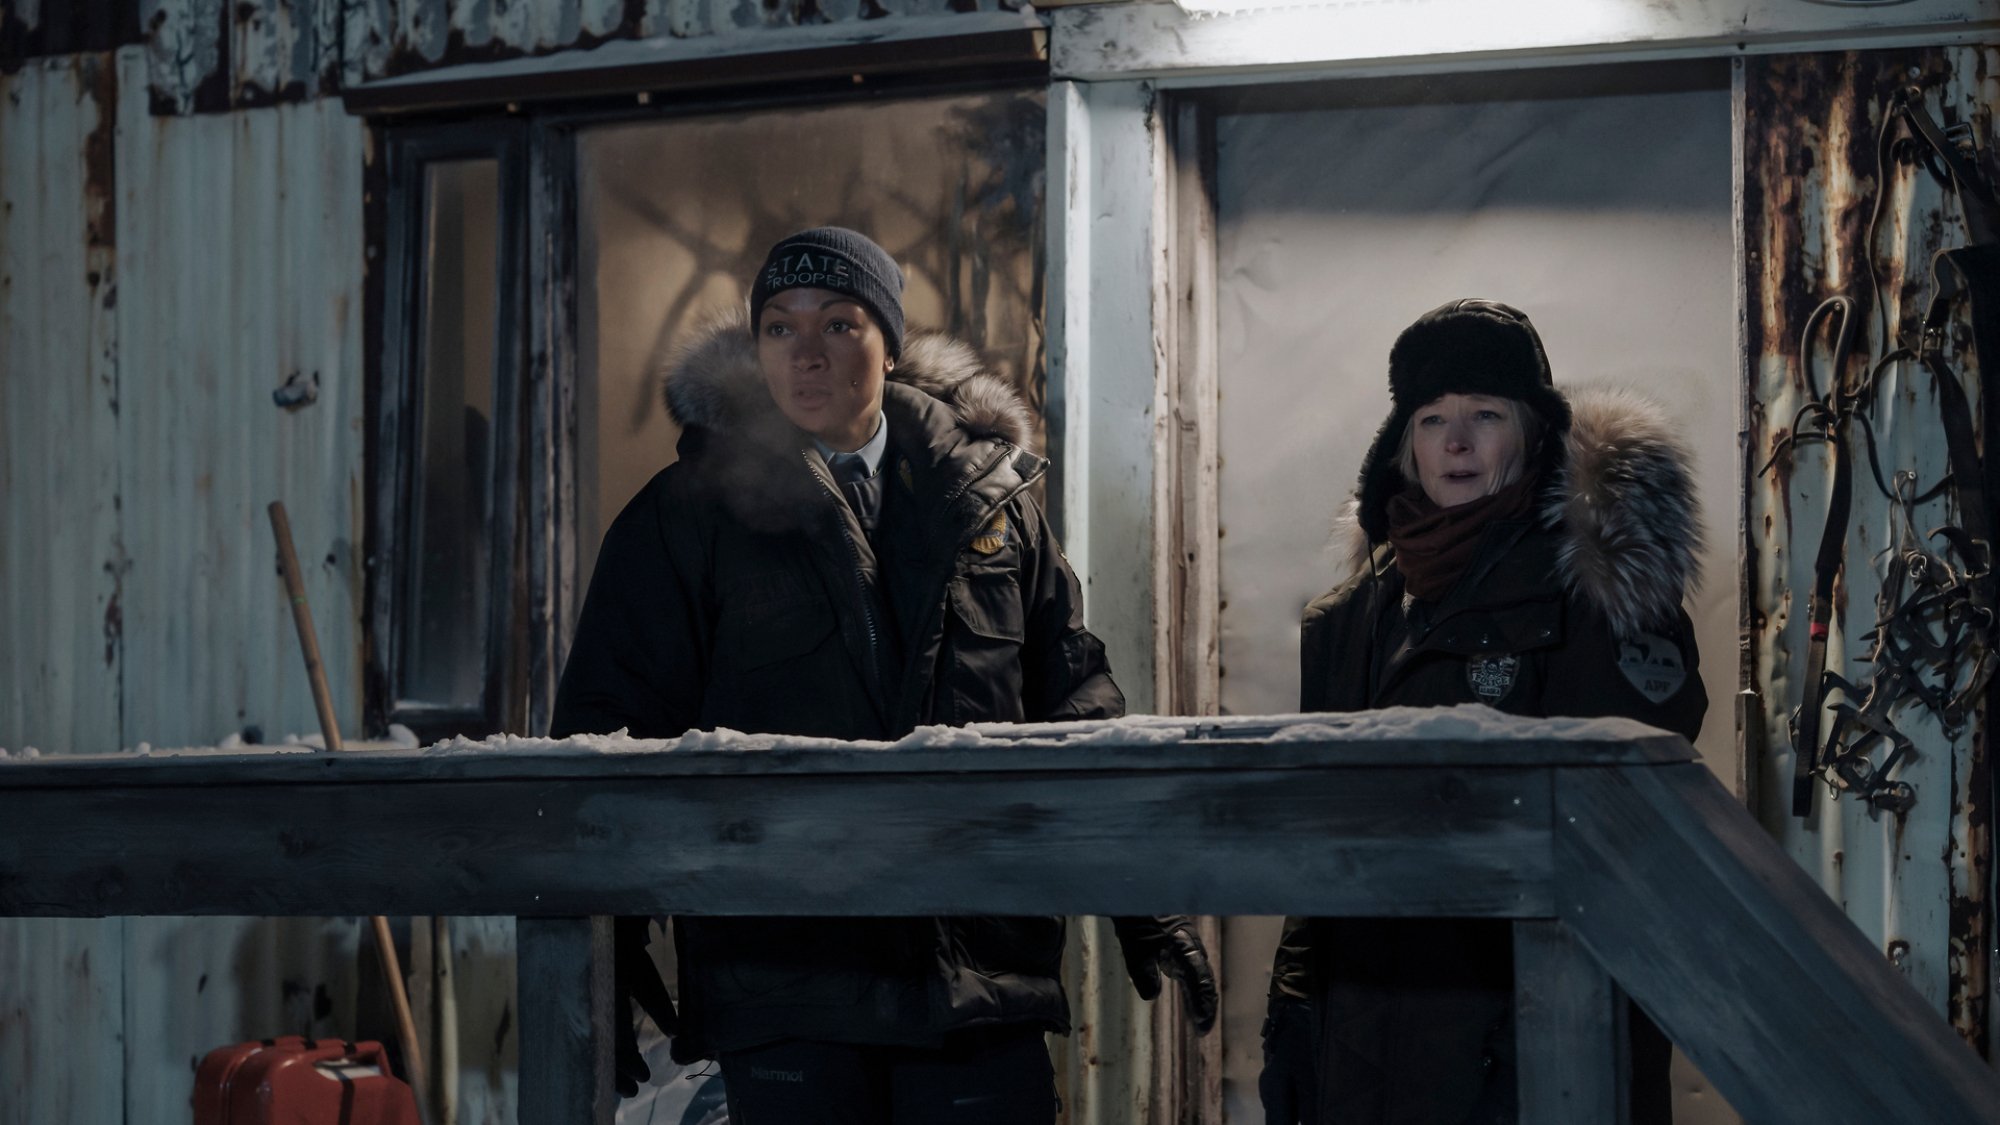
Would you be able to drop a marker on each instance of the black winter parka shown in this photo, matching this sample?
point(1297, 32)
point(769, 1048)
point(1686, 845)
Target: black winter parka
point(737, 590)
point(1573, 611)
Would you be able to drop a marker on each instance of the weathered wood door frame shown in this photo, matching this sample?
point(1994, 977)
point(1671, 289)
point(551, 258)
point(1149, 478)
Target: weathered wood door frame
point(1187, 1079)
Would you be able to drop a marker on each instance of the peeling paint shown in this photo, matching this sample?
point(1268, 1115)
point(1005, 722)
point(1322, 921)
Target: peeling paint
point(100, 185)
point(209, 56)
point(1810, 192)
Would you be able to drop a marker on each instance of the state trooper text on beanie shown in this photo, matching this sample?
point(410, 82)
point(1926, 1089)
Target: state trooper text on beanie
point(840, 261)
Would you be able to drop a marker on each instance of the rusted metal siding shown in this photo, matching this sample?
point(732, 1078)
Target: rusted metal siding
point(216, 55)
point(1914, 882)
point(420, 34)
point(210, 56)
point(61, 563)
point(159, 277)
point(240, 257)
point(61, 982)
point(241, 264)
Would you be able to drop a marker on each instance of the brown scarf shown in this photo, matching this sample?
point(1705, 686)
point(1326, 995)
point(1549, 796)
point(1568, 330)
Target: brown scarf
point(1434, 545)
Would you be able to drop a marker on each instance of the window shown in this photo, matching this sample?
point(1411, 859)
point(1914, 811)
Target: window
point(448, 463)
point(495, 477)
point(675, 216)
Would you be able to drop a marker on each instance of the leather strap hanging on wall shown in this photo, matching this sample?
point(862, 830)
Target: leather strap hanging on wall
point(1934, 643)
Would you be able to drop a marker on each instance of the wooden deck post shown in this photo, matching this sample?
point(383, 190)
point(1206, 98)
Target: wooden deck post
point(1570, 1030)
point(563, 970)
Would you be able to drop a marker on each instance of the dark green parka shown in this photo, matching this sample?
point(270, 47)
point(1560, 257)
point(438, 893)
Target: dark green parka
point(737, 590)
point(1573, 611)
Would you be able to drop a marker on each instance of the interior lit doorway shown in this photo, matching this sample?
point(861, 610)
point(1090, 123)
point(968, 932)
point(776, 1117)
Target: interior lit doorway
point(1598, 200)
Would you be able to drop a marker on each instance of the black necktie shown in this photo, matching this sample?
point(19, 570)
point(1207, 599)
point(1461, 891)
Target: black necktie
point(863, 491)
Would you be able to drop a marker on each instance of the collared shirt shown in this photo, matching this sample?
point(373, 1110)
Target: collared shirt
point(870, 452)
point(858, 475)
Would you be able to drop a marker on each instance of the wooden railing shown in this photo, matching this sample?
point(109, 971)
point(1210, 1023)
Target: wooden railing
point(1624, 864)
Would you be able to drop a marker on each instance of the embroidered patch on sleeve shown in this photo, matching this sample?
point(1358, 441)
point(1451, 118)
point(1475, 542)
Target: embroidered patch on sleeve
point(1492, 677)
point(993, 536)
point(1652, 664)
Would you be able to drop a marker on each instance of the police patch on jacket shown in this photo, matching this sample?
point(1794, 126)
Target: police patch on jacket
point(1652, 664)
point(1492, 677)
point(993, 536)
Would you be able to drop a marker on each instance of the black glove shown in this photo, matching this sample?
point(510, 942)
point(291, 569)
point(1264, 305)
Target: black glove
point(1289, 1084)
point(635, 978)
point(1169, 943)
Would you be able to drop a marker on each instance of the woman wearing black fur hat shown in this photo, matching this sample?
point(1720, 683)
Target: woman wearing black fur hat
point(1514, 548)
point(847, 548)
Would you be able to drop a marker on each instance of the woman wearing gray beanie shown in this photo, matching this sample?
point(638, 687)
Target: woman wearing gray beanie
point(848, 547)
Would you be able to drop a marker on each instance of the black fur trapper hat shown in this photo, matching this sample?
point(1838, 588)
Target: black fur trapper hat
point(1471, 347)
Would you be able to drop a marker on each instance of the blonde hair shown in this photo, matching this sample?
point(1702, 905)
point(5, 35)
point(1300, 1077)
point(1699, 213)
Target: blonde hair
point(1521, 418)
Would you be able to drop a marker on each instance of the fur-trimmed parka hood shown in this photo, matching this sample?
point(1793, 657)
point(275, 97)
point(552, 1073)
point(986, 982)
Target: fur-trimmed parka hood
point(714, 383)
point(1620, 497)
point(944, 411)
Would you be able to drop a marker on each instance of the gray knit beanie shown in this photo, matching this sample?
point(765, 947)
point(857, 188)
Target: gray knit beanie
point(841, 261)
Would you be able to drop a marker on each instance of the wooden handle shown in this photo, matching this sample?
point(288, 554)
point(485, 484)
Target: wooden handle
point(385, 945)
point(406, 1026)
point(295, 589)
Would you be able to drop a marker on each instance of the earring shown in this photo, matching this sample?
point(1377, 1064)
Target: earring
point(854, 382)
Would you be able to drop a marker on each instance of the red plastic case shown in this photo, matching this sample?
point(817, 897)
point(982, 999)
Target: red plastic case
point(297, 1081)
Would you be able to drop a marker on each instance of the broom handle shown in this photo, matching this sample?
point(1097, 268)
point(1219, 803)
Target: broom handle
point(385, 945)
point(295, 590)
point(406, 1027)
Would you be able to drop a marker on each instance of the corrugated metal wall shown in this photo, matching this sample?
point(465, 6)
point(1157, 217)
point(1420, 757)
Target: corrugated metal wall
point(61, 980)
point(61, 559)
point(161, 277)
point(1913, 882)
point(240, 263)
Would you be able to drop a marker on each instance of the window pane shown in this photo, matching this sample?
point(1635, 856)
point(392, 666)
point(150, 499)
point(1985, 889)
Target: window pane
point(444, 612)
point(675, 215)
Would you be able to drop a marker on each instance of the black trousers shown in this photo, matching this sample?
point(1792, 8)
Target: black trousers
point(1000, 1076)
point(1416, 1027)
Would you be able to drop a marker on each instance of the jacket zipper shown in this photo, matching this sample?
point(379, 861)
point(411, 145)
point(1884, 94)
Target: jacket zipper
point(860, 579)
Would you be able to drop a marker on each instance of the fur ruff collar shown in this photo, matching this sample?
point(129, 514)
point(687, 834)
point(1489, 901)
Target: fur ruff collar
point(1622, 501)
point(714, 383)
